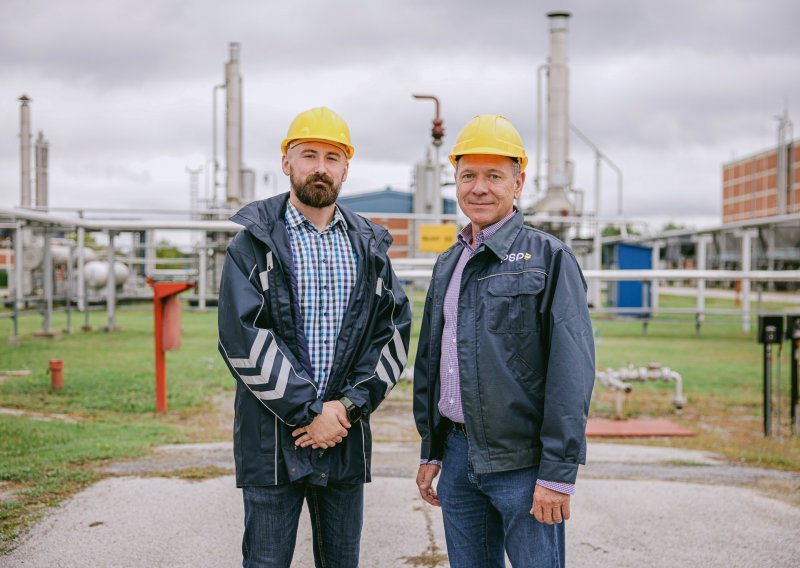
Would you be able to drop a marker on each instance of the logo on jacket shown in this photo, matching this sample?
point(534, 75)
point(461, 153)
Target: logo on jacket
point(515, 256)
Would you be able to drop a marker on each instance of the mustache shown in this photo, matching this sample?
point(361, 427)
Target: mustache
point(313, 178)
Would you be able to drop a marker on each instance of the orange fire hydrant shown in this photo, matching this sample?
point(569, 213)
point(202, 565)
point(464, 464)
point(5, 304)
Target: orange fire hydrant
point(56, 374)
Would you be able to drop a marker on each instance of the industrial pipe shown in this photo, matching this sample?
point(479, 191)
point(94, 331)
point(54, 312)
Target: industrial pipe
point(617, 380)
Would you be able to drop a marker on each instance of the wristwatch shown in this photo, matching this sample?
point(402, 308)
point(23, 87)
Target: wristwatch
point(353, 412)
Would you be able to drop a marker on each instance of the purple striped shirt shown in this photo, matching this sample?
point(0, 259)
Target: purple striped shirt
point(449, 378)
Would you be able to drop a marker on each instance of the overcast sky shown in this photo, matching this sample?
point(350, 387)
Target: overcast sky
point(122, 88)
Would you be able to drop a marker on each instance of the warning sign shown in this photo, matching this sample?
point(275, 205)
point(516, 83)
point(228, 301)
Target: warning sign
point(436, 238)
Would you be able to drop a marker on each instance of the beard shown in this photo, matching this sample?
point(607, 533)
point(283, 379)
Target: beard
point(311, 192)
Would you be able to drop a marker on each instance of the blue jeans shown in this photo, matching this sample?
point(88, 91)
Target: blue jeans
point(271, 516)
point(485, 514)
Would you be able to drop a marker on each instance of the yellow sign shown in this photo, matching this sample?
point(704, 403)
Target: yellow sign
point(436, 238)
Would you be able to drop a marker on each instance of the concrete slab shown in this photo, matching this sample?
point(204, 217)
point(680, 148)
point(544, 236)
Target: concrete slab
point(630, 524)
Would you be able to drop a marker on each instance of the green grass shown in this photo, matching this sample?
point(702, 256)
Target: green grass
point(109, 391)
point(114, 372)
point(722, 377)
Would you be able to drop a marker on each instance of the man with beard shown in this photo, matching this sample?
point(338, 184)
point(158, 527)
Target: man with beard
point(314, 327)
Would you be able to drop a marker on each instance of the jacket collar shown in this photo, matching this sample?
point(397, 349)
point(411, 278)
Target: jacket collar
point(500, 243)
point(294, 217)
point(264, 218)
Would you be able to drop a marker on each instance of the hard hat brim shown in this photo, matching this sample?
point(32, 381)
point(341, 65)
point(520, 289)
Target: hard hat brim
point(290, 142)
point(523, 160)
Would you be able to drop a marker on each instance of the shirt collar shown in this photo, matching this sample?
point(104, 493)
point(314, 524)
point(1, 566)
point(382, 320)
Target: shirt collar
point(294, 218)
point(465, 236)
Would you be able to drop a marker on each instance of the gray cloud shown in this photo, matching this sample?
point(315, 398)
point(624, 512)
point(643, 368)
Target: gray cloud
point(122, 89)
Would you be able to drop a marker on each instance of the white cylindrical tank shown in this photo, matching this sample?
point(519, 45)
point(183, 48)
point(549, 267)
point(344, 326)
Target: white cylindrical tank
point(60, 254)
point(248, 179)
point(96, 273)
point(32, 257)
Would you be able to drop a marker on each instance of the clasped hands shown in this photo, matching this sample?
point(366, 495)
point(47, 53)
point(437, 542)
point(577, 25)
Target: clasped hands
point(326, 430)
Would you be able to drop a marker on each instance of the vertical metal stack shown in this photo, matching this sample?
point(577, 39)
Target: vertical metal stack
point(233, 129)
point(559, 171)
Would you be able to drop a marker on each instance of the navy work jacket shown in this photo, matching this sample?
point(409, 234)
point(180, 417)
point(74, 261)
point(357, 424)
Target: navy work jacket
point(525, 355)
point(262, 341)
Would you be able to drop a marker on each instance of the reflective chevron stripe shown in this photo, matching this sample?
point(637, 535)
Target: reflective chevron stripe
point(264, 276)
point(392, 363)
point(255, 351)
point(400, 349)
point(267, 367)
point(396, 363)
point(280, 384)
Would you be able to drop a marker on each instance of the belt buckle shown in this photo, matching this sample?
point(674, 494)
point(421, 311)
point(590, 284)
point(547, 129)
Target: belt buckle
point(461, 427)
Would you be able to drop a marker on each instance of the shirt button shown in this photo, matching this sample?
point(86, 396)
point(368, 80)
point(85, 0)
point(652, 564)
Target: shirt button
point(451, 371)
point(454, 340)
point(452, 401)
point(323, 475)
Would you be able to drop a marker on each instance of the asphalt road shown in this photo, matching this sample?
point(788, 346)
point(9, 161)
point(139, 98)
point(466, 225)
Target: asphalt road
point(635, 506)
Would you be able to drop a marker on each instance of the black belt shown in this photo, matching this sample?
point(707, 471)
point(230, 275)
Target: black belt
point(460, 426)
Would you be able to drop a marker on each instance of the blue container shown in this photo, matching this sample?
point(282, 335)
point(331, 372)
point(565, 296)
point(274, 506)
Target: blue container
point(631, 294)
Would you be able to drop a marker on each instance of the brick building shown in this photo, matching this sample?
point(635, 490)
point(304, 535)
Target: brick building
point(750, 186)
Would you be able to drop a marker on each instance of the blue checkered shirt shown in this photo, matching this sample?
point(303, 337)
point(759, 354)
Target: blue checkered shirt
point(325, 265)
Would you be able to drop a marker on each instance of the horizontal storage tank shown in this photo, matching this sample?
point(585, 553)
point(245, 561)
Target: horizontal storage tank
point(96, 273)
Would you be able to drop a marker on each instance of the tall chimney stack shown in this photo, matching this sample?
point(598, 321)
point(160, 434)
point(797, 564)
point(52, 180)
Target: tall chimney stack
point(233, 129)
point(25, 152)
point(558, 103)
point(556, 201)
point(42, 149)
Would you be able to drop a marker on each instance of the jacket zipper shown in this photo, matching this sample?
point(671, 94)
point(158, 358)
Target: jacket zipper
point(359, 321)
point(430, 365)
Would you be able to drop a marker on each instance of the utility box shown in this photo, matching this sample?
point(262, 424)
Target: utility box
point(626, 294)
point(167, 328)
point(770, 329)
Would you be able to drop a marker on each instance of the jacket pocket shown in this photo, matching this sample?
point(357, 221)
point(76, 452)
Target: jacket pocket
point(513, 301)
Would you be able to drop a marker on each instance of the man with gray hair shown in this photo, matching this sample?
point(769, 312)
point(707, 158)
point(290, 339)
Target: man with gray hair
point(504, 369)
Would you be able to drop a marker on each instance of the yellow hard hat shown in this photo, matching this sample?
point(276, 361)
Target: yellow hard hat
point(320, 124)
point(490, 134)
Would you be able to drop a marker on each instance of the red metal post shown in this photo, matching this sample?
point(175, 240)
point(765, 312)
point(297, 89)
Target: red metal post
point(164, 293)
point(161, 370)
